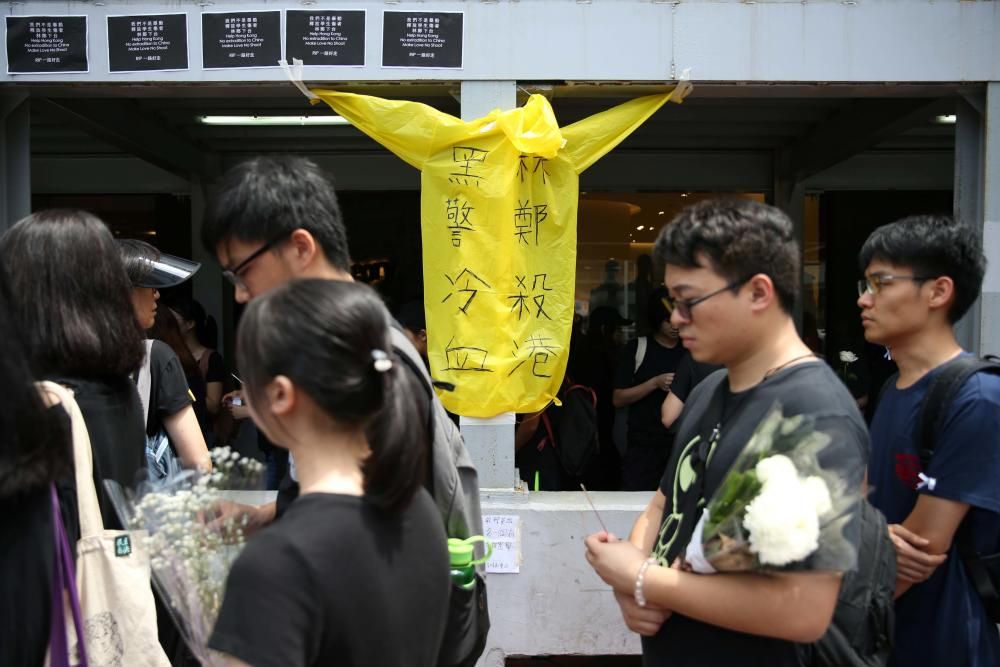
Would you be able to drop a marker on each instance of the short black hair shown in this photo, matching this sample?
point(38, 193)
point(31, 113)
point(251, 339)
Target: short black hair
point(935, 246)
point(740, 238)
point(259, 199)
point(656, 309)
point(70, 297)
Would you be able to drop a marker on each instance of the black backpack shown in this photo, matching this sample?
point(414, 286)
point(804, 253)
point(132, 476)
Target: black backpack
point(572, 428)
point(983, 570)
point(864, 619)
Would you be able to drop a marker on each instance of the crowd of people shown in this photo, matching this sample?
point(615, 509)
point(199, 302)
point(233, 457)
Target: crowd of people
point(350, 565)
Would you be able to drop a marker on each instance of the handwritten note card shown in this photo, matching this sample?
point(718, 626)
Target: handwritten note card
point(504, 533)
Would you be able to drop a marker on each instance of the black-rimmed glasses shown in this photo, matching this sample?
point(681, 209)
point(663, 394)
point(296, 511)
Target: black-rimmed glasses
point(233, 274)
point(683, 306)
point(874, 283)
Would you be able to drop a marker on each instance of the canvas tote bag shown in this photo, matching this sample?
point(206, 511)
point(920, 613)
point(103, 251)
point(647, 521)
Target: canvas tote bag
point(112, 569)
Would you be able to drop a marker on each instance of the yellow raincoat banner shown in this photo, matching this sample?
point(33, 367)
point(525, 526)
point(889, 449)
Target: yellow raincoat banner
point(498, 215)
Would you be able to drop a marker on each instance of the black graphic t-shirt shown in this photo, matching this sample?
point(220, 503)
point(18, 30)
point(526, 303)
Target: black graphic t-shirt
point(810, 389)
point(337, 582)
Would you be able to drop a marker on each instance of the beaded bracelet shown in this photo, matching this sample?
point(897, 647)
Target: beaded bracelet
point(640, 597)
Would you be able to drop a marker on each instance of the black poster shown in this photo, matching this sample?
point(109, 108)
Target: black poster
point(147, 42)
point(325, 37)
point(422, 39)
point(241, 39)
point(46, 44)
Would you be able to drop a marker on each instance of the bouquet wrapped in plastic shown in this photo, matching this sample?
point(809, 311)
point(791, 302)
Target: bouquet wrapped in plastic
point(192, 544)
point(775, 504)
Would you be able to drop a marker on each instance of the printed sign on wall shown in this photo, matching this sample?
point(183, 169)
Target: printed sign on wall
point(325, 37)
point(46, 44)
point(148, 42)
point(240, 39)
point(422, 39)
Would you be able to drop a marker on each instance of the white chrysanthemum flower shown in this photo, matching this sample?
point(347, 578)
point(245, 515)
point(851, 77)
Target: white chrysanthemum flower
point(848, 357)
point(782, 528)
point(777, 467)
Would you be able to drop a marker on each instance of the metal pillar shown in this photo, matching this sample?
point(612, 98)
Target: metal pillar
point(970, 136)
point(490, 441)
point(208, 285)
point(989, 329)
point(15, 158)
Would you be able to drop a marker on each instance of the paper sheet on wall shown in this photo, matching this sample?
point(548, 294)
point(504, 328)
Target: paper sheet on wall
point(504, 533)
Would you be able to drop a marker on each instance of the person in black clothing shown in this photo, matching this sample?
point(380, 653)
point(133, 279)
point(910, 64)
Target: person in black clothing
point(34, 453)
point(357, 570)
point(689, 375)
point(733, 270)
point(169, 406)
point(200, 336)
point(70, 298)
point(643, 391)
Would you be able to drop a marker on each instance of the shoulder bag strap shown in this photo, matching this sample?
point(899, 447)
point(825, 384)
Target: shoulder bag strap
point(63, 581)
point(640, 352)
point(83, 459)
point(144, 381)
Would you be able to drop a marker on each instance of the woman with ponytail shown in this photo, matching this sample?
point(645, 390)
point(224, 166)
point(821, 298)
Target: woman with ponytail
point(356, 572)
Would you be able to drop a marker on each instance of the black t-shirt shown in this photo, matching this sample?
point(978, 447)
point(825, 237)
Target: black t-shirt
point(336, 582)
point(644, 420)
point(689, 374)
point(113, 414)
point(168, 389)
point(811, 389)
point(215, 371)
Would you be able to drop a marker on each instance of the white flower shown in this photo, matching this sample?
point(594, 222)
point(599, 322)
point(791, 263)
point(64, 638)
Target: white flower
point(848, 357)
point(782, 529)
point(777, 467)
point(783, 520)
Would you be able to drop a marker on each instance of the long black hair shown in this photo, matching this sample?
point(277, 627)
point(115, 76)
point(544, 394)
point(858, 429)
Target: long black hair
point(34, 444)
point(325, 336)
point(70, 297)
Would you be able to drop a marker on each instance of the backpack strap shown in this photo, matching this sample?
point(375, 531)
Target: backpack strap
point(144, 380)
point(399, 345)
point(939, 397)
point(640, 352)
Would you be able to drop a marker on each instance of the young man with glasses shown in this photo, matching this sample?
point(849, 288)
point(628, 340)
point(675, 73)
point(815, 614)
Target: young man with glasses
point(276, 219)
point(921, 275)
point(732, 268)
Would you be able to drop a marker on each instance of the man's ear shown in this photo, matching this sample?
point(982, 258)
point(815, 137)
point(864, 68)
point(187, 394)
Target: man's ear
point(942, 292)
point(281, 396)
point(762, 292)
point(304, 247)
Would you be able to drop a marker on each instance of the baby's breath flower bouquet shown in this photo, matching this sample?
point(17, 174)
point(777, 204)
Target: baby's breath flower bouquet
point(774, 504)
point(192, 546)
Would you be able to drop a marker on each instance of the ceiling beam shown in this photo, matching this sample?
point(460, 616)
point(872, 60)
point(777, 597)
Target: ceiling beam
point(859, 126)
point(131, 129)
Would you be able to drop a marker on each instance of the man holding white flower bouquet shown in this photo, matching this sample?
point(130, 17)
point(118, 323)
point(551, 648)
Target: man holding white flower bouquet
point(765, 477)
point(938, 484)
